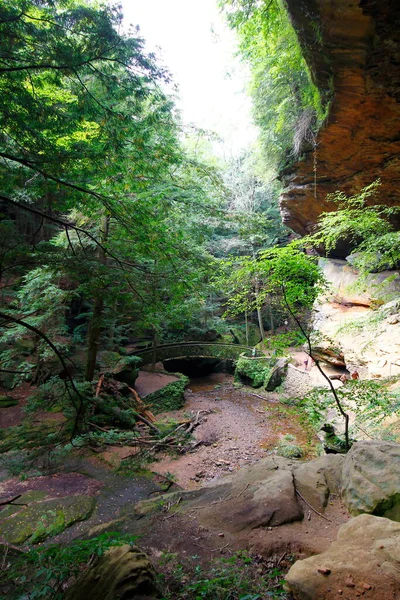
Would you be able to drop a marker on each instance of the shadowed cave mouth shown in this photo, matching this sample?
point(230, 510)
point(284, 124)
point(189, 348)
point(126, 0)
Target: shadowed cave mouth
point(199, 367)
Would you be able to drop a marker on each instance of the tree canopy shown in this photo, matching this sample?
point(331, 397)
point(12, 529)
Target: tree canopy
point(108, 206)
point(286, 104)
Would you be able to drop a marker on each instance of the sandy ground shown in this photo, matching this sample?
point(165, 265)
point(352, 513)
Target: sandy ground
point(239, 427)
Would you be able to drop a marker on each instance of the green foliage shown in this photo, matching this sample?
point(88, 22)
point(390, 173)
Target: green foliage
point(170, 397)
point(287, 105)
point(239, 577)
point(288, 448)
point(252, 219)
point(286, 275)
point(280, 343)
point(112, 207)
point(371, 401)
point(367, 229)
point(42, 572)
point(252, 371)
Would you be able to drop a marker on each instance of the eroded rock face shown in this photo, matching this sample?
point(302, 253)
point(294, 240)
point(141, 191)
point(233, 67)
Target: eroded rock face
point(364, 562)
point(277, 375)
point(122, 572)
point(317, 479)
point(371, 479)
point(263, 494)
point(350, 331)
point(353, 49)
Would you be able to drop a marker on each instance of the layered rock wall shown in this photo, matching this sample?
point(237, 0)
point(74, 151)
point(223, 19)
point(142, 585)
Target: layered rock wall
point(353, 50)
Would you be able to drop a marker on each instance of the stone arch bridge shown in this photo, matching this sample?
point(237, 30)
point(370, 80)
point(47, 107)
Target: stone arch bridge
point(182, 350)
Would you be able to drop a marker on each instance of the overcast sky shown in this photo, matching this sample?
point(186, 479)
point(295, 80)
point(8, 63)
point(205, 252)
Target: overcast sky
point(198, 49)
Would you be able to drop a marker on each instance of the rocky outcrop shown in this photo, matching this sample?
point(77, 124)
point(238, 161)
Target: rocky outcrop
point(318, 479)
point(349, 328)
point(261, 495)
point(353, 50)
point(362, 563)
point(122, 572)
point(277, 375)
point(348, 289)
point(371, 479)
point(35, 521)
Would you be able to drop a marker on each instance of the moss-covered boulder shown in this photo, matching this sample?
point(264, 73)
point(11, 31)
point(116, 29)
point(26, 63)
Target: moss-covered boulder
point(40, 520)
point(25, 346)
point(122, 368)
point(170, 397)
point(122, 572)
point(253, 370)
point(7, 401)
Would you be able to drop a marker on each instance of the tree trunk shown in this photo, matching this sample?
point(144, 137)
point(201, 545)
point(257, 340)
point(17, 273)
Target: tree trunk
point(247, 328)
point(154, 353)
point(98, 306)
point(259, 316)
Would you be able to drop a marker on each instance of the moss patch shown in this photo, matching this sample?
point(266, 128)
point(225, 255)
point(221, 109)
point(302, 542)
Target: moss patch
point(40, 520)
point(170, 397)
point(253, 371)
point(6, 401)
point(32, 496)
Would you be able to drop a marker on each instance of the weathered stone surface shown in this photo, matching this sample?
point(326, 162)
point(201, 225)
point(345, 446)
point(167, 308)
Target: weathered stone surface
point(344, 283)
point(366, 339)
point(40, 520)
point(371, 479)
point(353, 49)
point(278, 373)
point(318, 479)
point(297, 382)
point(327, 350)
point(123, 572)
point(363, 562)
point(260, 495)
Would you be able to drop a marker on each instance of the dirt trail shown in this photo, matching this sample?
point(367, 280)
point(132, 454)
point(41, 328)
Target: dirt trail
point(238, 428)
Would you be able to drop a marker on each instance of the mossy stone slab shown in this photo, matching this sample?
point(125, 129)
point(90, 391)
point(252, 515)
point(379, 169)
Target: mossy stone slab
point(40, 520)
point(32, 496)
point(7, 401)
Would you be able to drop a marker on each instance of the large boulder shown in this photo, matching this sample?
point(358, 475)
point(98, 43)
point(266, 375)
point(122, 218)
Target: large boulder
point(277, 375)
point(363, 562)
point(252, 370)
point(318, 479)
point(123, 572)
point(263, 494)
point(371, 479)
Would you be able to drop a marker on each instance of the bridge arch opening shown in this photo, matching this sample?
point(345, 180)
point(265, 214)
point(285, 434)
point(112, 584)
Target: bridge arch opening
point(197, 366)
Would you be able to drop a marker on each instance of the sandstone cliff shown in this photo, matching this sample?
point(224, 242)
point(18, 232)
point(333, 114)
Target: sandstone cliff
point(353, 50)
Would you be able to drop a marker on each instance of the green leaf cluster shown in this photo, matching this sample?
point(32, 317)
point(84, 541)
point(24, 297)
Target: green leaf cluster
point(287, 104)
point(287, 275)
point(367, 228)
